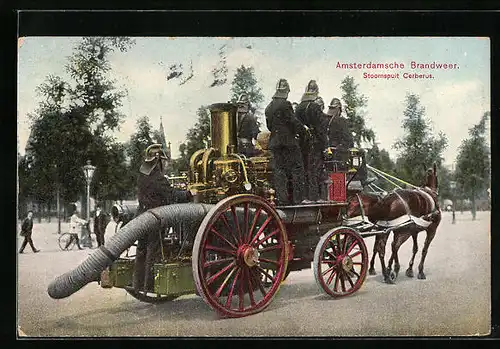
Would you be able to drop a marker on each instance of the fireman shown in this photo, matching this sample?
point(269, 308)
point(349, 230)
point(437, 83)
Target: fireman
point(284, 145)
point(248, 128)
point(309, 113)
point(153, 190)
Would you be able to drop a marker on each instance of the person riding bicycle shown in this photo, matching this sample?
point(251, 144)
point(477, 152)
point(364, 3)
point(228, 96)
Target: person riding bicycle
point(75, 229)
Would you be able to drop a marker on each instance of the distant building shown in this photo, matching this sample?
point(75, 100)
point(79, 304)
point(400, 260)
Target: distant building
point(166, 146)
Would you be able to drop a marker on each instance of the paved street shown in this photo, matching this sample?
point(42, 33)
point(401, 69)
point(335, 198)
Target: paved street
point(454, 300)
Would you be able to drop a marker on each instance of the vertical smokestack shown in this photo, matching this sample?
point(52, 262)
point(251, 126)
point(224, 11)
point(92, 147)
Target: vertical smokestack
point(223, 127)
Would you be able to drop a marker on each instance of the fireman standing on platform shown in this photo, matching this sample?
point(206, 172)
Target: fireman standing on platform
point(284, 145)
point(336, 129)
point(309, 113)
point(248, 128)
point(154, 190)
point(338, 135)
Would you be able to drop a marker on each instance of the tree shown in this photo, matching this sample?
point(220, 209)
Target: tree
point(380, 159)
point(418, 148)
point(198, 137)
point(94, 92)
point(244, 81)
point(72, 121)
point(473, 164)
point(354, 111)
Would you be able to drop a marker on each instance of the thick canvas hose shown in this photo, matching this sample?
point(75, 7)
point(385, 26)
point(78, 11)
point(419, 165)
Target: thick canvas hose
point(149, 221)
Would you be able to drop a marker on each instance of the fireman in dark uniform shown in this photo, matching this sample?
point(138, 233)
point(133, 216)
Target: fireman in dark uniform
point(336, 128)
point(337, 134)
point(284, 145)
point(153, 190)
point(248, 128)
point(309, 113)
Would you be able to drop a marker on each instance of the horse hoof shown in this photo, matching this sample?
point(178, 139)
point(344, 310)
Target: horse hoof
point(421, 276)
point(372, 272)
point(409, 273)
point(392, 277)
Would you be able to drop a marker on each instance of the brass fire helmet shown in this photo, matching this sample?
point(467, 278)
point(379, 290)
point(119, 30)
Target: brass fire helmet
point(155, 156)
point(243, 103)
point(335, 107)
point(312, 91)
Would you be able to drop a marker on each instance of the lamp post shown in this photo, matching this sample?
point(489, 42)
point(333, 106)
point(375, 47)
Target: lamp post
point(88, 170)
point(58, 209)
point(453, 186)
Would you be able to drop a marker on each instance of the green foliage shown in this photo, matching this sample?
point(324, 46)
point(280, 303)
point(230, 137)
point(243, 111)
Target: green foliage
point(473, 163)
point(198, 137)
point(380, 159)
point(418, 148)
point(94, 93)
point(244, 81)
point(70, 125)
point(354, 111)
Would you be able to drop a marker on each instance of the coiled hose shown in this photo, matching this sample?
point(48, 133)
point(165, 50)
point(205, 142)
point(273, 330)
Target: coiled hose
point(152, 220)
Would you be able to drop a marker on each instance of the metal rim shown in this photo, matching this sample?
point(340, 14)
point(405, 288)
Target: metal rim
point(230, 259)
point(62, 241)
point(340, 262)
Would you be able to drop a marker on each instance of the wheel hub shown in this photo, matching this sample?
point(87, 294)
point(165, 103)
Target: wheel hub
point(347, 263)
point(248, 255)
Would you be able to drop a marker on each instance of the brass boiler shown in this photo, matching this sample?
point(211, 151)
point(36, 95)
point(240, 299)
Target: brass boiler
point(219, 171)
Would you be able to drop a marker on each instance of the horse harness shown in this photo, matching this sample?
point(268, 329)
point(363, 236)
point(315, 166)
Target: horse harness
point(422, 221)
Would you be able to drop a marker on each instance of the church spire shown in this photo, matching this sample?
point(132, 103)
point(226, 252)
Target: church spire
point(166, 146)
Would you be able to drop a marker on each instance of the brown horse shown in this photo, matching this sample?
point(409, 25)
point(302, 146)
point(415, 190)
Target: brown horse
point(397, 207)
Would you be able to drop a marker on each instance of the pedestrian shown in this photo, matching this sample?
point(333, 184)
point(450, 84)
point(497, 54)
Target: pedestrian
point(284, 146)
point(26, 231)
point(309, 113)
point(153, 190)
point(101, 220)
point(248, 127)
point(76, 228)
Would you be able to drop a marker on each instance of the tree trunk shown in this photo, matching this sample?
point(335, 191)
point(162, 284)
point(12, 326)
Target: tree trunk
point(49, 210)
point(39, 211)
point(473, 208)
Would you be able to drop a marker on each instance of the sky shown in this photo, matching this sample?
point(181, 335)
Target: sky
point(454, 99)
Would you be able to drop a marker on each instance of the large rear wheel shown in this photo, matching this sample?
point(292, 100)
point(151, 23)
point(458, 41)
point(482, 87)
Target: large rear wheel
point(240, 255)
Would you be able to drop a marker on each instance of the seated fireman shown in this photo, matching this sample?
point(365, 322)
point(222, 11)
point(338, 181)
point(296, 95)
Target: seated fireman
point(248, 128)
point(153, 190)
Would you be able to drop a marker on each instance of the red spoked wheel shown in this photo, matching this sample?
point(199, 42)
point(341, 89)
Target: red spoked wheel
point(240, 255)
point(340, 262)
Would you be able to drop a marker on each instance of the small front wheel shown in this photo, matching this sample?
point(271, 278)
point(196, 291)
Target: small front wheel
point(340, 262)
point(66, 241)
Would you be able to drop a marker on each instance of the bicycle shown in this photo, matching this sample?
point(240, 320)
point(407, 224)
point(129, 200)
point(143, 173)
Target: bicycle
point(68, 240)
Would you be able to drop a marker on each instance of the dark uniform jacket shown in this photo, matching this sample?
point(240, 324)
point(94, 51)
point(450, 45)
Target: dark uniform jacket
point(100, 223)
point(155, 190)
point(309, 113)
point(248, 127)
point(336, 131)
point(282, 123)
point(27, 227)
